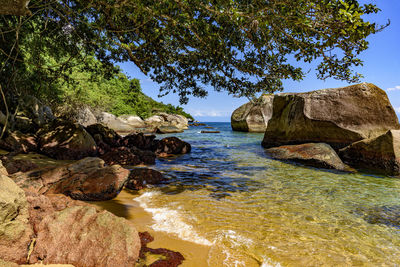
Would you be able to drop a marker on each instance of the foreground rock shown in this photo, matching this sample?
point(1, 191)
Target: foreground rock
point(15, 230)
point(86, 179)
point(318, 155)
point(80, 235)
point(139, 178)
point(380, 154)
point(65, 140)
point(338, 116)
point(253, 117)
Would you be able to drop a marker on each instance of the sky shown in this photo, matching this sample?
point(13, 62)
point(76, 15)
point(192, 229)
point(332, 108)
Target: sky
point(381, 67)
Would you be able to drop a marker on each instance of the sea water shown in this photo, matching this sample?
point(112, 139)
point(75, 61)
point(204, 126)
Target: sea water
point(251, 210)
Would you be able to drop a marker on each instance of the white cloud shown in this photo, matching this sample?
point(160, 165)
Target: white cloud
point(396, 88)
point(397, 109)
point(209, 113)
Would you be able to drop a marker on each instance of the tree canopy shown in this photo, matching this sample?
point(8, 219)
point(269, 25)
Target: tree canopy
point(240, 46)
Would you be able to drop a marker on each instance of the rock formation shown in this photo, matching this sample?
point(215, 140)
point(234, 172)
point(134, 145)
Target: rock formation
point(380, 154)
point(338, 116)
point(318, 155)
point(253, 117)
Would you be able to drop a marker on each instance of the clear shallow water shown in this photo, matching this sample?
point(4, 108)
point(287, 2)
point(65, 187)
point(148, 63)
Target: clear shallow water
point(256, 211)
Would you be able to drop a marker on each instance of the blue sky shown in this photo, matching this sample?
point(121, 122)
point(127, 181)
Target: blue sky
point(381, 67)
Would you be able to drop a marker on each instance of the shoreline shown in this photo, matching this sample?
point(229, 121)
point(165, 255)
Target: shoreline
point(125, 206)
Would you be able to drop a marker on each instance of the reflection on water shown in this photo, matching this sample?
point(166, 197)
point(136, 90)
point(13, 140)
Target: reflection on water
point(258, 211)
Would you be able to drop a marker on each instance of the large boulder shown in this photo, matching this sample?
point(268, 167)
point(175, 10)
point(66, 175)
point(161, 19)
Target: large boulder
point(253, 117)
point(167, 123)
point(318, 155)
point(135, 121)
point(15, 230)
point(84, 116)
point(115, 123)
point(86, 179)
point(76, 233)
point(338, 116)
point(139, 140)
point(66, 141)
point(380, 154)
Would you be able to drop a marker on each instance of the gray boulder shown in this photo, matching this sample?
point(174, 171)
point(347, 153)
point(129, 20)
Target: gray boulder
point(85, 117)
point(115, 123)
point(253, 117)
point(135, 121)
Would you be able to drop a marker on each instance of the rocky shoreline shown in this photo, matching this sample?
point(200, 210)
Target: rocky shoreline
point(43, 218)
point(354, 125)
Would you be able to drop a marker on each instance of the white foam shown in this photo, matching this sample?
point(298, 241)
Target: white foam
point(269, 263)
point(170, 221)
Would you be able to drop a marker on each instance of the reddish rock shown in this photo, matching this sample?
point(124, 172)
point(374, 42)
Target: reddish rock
point(72, 232)
point(66, 141)
point(173, 145)
point(19, 142)
point(86, 179)
point(18, 165)
point(169, 258)
point(140, 177)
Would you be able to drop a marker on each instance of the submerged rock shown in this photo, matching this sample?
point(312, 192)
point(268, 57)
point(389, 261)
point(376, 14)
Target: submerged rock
point(15, 230)
point(17, 165)
point(338, 116)
point(380, 154)
point(65, 140)
point(139, 178)
point(253, 117)
point(318, 155)
point(168, 257)
point(86, 179)
point(386, 215)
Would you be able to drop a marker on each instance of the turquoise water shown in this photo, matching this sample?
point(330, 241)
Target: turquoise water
point(255, 211)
